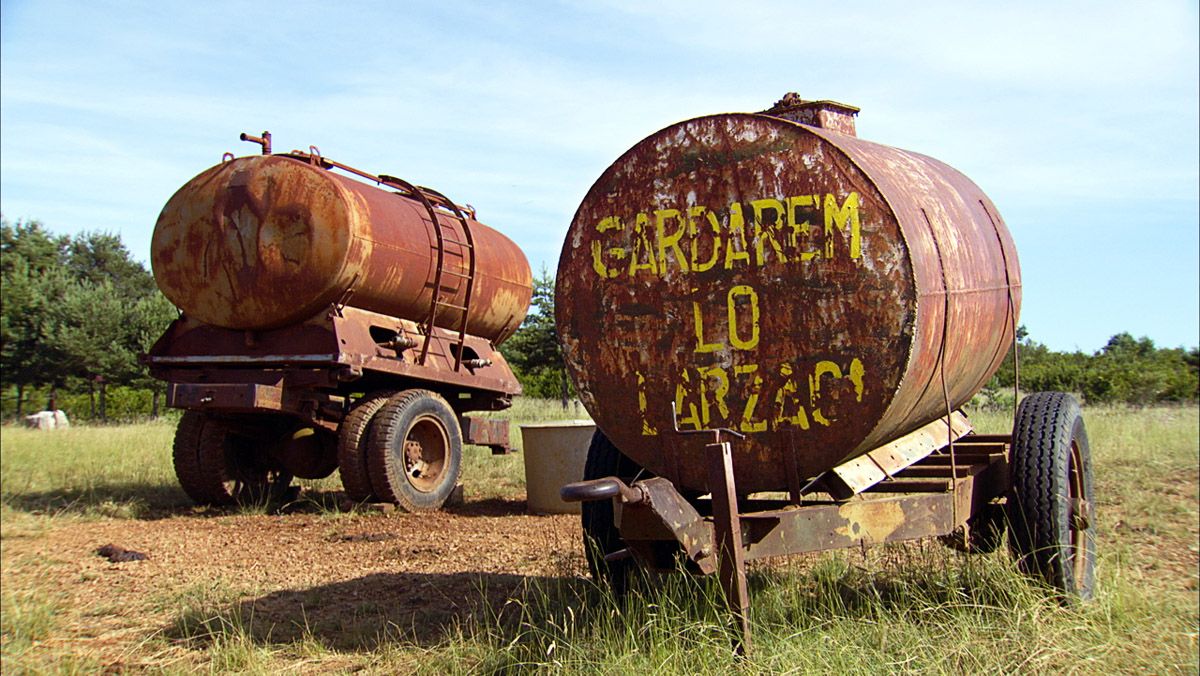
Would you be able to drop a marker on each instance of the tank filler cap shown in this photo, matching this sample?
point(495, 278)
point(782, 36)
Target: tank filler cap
point(831, 115)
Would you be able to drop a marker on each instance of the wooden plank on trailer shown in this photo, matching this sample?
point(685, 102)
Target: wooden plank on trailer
point(861, 473)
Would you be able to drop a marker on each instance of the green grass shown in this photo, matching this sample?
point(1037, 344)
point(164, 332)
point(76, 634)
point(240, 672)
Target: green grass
point(920, 611)
point(28, 617)
point(915, 608)
point(125, 471)
point(98, 472)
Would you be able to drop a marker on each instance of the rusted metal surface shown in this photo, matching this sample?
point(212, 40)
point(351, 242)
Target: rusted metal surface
point(306, 291)
point(485, 432)
point(657, 512)
point(249, 371)
point(913, 515)
point(821, 294)
point(660, 513)
point(267, 241)
point(727, 541)
point(264, 141)
point(829, 115)
point(226, 396)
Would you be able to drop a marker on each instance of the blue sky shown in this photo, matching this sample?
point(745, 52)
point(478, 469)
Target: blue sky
point(1079, 119)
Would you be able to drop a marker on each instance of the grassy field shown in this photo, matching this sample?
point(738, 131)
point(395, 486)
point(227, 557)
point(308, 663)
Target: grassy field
point(913, 608)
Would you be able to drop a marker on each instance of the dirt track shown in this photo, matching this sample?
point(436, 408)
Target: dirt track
point(344, 577)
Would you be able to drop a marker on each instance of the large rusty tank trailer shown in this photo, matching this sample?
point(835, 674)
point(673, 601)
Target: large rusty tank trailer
point(331, 319)
point(775, 325)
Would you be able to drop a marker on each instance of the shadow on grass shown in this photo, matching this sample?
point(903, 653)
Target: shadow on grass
point(122, 500)
point(919, 581)
point(524, 616)
point(159, 501)
point(367, 613)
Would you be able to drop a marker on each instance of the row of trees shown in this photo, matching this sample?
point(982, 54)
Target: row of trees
point(77, 311)
point(75, 314)
point(1126, 370)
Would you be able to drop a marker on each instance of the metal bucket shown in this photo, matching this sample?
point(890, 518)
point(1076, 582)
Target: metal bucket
point(554, 456)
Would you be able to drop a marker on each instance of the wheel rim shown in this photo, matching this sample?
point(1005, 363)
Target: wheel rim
point(1079, 515)
point(425, 449)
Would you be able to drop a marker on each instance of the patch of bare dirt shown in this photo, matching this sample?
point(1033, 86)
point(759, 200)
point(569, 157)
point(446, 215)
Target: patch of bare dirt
point(345, 579)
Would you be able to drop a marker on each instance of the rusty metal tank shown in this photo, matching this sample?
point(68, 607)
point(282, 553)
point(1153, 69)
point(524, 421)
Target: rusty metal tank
point(773, 274)
point(266, 241)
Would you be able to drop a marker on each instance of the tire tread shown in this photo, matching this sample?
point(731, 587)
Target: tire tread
point(389, 428)
point(354, 438)
point(1046, 424)
point(185, 455)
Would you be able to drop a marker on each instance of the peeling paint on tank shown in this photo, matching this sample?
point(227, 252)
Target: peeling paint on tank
point(739, 333)
point(234, 237)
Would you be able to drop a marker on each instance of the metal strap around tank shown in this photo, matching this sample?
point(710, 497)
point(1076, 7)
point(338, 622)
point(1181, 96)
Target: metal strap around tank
point(423, 195)
point(423, 198)
point(1012, 310)
point(941, 363)
point(469, 276)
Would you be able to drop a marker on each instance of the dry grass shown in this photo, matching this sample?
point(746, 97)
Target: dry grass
point(914, 608)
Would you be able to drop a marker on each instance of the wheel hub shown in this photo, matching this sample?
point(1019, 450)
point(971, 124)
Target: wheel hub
point(1081, 511)
point(414, 459)
point(425, 450)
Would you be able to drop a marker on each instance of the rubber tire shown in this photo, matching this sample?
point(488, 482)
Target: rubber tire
point(213, 471)
point(1049, 441)
point(186, 457)
point(354, 439)
point(386, 453)
point(600, 533)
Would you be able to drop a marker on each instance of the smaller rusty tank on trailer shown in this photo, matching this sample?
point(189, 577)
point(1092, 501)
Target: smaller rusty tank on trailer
point(774, 275)
point(266, 241)
point(331, 321)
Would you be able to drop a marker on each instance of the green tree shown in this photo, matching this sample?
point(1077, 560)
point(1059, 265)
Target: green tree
point(31, 283)
point(533, 351)
point(1134, 371)
point(28, 243)
point(1041, 369)
point(75, 309)
point(1126, 370)
point(98, 257)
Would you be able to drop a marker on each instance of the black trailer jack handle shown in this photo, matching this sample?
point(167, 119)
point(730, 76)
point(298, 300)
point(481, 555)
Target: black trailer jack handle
point(602, 489)
point(657, 500)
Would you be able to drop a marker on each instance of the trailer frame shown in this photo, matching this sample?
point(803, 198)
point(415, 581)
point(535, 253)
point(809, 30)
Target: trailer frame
point(947, 491)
